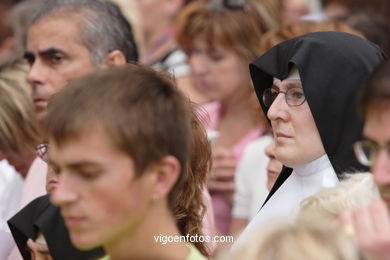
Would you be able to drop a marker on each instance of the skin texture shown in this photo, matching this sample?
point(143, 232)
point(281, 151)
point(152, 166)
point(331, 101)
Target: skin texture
point(56, 57)
point(296, 136)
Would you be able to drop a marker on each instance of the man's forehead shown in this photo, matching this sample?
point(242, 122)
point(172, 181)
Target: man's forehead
point(53, 33)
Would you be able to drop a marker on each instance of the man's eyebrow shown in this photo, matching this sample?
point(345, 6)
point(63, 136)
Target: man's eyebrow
point(76, 165)
point(50, 161)
point(50, 51)
point(83, 165)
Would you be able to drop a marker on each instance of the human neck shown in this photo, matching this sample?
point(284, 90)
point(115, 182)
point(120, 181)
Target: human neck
point(319, 164)
point(141, 243)
point(156, 44)
point(236, 107)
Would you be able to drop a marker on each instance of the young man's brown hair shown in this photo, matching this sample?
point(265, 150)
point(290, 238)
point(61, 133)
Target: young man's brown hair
point(143, 114)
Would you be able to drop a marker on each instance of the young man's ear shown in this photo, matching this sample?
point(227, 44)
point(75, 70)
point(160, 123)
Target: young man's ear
point(113, 59)
point(168, 171)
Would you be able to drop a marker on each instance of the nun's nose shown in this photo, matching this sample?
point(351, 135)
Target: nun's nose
point(278, 108)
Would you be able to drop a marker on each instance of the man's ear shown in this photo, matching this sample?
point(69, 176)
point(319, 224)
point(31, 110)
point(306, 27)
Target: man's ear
point(167, 172)
point(114, 58)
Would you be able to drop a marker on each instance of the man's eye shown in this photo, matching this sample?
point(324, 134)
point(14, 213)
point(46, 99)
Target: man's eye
point(29, 58)
point(56, 59)
point(55, 169)
point(89, 175)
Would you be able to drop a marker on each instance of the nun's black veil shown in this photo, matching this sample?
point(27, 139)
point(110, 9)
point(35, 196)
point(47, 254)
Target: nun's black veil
point(333, 66)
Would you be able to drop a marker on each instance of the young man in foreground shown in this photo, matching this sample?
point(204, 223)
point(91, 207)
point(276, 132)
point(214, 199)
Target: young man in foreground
point(120, 150)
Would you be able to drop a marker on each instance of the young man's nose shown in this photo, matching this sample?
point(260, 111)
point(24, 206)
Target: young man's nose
point(64, 193)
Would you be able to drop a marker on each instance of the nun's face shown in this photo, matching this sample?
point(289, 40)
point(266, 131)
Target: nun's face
point(297, 140)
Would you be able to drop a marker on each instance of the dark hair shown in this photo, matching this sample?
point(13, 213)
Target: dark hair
point(103, 26)
point(376, 91)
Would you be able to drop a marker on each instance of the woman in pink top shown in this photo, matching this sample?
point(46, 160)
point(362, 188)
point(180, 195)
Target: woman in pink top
point(221, 38)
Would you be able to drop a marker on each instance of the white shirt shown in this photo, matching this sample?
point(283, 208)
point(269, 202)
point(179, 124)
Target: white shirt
point(251, 179)
point(304, 181)
point(35, 182)
point(11, 188)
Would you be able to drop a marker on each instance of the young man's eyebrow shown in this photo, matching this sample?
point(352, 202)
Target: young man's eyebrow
point(84, 164)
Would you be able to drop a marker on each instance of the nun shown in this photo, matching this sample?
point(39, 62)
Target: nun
point(308, 87)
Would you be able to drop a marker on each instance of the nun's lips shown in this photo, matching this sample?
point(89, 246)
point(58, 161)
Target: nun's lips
point(281, 135)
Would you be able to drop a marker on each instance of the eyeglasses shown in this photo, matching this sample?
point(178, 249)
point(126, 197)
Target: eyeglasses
point(294, 96)
point(42, 151)
point(366, 151)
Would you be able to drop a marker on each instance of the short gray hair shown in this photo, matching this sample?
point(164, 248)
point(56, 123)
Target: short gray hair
point(103, 26)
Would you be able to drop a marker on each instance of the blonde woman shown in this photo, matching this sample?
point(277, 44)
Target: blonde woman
point(19, 136)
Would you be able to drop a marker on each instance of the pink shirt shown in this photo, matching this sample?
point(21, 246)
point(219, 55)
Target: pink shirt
point(35, 182)
point(222, 208)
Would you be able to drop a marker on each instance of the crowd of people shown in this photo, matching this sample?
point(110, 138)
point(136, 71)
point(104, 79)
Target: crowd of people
point(194, 129)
